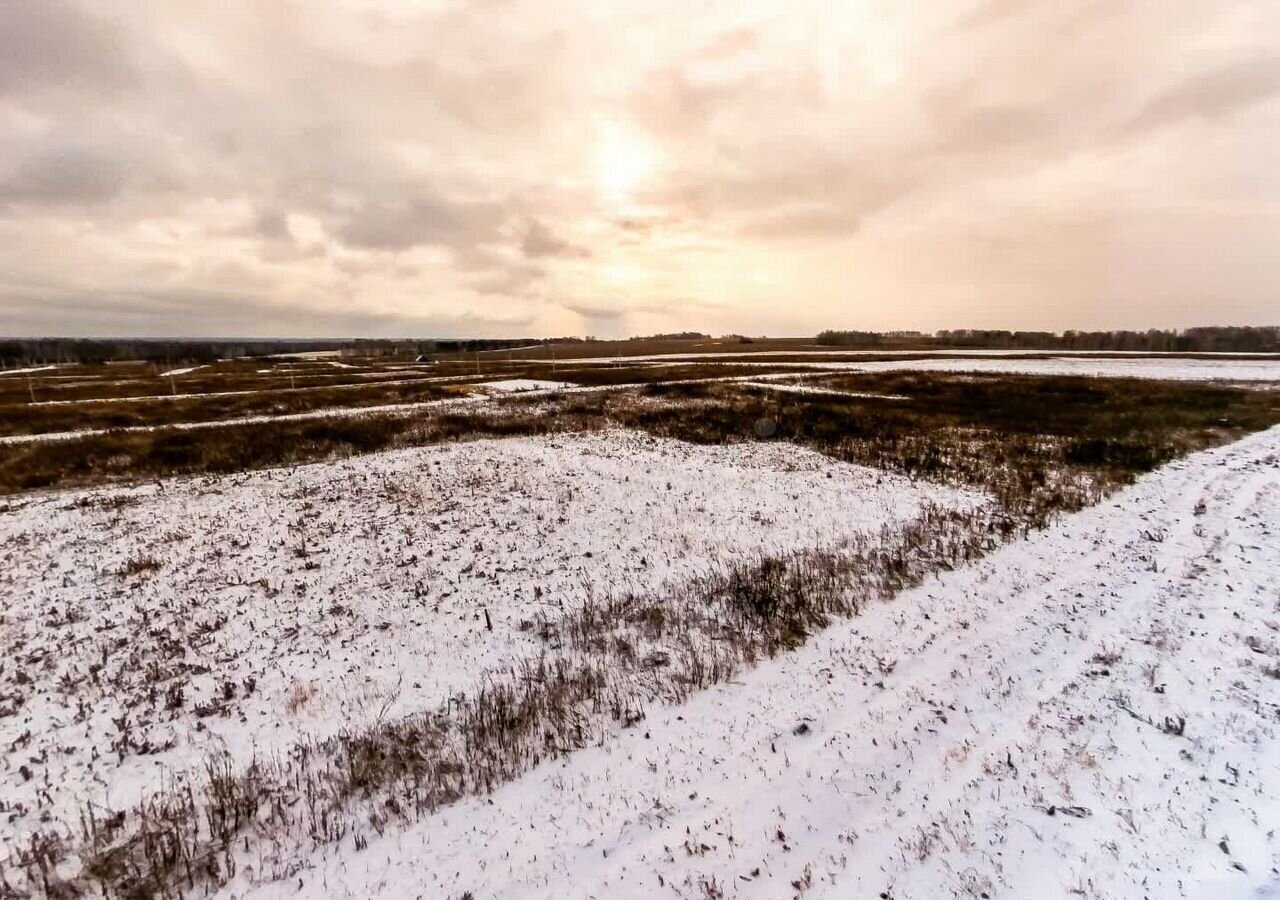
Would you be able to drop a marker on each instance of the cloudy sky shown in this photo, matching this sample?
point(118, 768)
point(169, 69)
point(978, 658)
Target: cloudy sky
point(418, 167)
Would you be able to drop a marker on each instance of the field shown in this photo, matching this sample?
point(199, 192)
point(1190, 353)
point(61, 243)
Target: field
point(726, 621)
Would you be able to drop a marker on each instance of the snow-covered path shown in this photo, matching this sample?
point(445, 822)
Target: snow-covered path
point(1088, 713)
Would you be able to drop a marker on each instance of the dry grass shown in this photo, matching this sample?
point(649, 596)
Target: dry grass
point(41, 419)
point(1040, 446)
point(1040, 440)
point(604, 663)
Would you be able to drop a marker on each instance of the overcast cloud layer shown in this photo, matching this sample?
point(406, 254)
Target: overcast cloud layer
point(398, 167)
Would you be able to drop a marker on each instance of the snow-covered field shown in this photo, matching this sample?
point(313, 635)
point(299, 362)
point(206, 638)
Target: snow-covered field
point(1262, 369)
point(1091, 712)
point(729, 356)
point(250, 611)
point(811, 390)
point(521, 385)
point(1254, 372)
point(28, 370)
point(1232, 370)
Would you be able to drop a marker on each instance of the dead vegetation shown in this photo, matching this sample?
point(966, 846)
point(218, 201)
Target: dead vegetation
point(603, 664)
point(1039, 446)
point(1043, 442)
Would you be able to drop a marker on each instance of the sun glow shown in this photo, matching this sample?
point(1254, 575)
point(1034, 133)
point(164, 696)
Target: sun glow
point(625, 161)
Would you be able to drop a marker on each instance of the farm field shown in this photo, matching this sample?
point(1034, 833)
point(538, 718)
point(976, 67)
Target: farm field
point(820, 626)
point(713, 451)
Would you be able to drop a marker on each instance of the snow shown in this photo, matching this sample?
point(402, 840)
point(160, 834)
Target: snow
point(737, 357)
point(1173, 369)
point(186, 371)
point(358, 586)
point(329, 413)
point(1236, 371)
point(514, 349)
point(308, 354)
point(393, 381)
point(819, 391)
point(27, 371)
point(1262, 369)
point(968, 738)
point(520, 385)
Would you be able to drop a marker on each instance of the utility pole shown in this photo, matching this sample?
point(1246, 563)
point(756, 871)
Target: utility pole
point(32, 388)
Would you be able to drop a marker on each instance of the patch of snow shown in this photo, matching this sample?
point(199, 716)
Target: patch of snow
point(308, 354)
point(394, 381)
point(736, 357)
point(810, 389)
point(187, 371)
point(514, 349)
point(1157, 368)
point(360, 585)
point(1009, 729)
point(27, 371)
point(520, 385)
point(337, 412)
point(1261, 368)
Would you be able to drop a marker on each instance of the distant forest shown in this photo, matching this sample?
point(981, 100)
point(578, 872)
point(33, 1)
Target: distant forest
point(45, 351)
point(37, 351)
point(1226, 339)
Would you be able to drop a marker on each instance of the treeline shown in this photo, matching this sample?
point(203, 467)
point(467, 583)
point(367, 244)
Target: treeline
point(472, 345)
point(1209, 339)
point(49, 351)
point(37, 351)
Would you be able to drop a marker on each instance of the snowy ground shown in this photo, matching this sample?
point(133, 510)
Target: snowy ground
point(818, 391)
point(729, 356)
point(27, 371)
point(1091, 712)
point(250, 611)
point(1139, 367)
point(1257, 372)
point(521, 385)
point(1263, 369)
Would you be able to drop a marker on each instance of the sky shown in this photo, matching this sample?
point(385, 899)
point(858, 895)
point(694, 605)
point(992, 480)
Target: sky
point(495, 168)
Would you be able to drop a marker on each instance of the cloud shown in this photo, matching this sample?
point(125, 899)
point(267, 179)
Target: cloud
point(58, 173)
point(1213, 94)
point(58, 44)
point(539, 240)
point(271, 224)
point(388, 164)
point(992, 11)
point(804, 222)
point(398, 225)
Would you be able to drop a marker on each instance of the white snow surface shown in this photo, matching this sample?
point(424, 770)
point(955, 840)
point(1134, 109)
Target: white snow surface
point(818, 391)
point(1168, 369)
point(356, 589)
point(184, 371)
point(736, 357)
point(1172, 369)
point(27, 371)
point(967, 739)
point(1258, 372)
point(520, 385)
